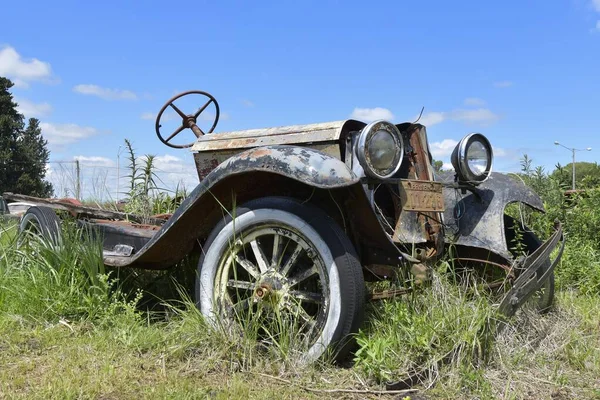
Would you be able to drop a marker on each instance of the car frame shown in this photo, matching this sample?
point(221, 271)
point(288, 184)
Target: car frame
point(293, 220)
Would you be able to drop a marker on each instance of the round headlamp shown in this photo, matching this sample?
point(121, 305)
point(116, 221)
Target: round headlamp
point(380, 149)
point(472, 158)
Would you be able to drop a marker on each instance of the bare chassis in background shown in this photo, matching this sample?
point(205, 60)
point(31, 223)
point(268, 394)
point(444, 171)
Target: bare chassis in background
point(295, 219)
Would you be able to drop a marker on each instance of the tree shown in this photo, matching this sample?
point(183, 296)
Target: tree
point(23, 151)
point(587, 174)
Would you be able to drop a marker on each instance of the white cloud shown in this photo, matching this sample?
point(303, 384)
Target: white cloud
point(22, 71)
point(503, 84)
point(479, 116)
point(173, 171)
point(499, 152)
point(63, 134)
point(596, 5)
point(30, 109)
point(432, 118)
point(474, 101)
point(596, 28)
point(105, 93)
point(169, 163)
point(448, 166)
point(372, 114)
point(147, 115)
point(94, 161)
point(443, 148)
point(247, 103)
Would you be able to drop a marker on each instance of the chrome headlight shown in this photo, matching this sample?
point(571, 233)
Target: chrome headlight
point(472, 158)
point(380, 149)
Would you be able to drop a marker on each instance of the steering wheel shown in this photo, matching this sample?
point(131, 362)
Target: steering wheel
point(187, 121)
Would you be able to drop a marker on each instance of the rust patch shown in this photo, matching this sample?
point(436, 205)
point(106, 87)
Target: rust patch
point(126, 223)
point(420, 169)
point(421, 196)
point(164, 216)
point(259, 152)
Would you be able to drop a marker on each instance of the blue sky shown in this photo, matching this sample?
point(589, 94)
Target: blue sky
point(525, 73)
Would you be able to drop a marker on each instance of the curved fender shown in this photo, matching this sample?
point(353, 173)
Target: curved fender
point(300, 163)
point(189, 222)
point(478, 221)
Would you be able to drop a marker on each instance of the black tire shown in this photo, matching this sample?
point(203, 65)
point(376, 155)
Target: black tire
point(319, 238)
point(544, 298)
point(41, 221)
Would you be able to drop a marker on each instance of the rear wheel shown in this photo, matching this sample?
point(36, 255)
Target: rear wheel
point(40, 222)
point(285, 274)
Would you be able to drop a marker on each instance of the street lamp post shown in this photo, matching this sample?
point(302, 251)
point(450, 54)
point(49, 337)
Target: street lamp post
point(573, 150)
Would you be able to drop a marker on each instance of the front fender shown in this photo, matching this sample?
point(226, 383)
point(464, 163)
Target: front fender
point(257, 172)
point(299, 163)
point(477, 220)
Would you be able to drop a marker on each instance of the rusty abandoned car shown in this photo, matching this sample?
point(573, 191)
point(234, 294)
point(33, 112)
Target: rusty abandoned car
point(290, 222)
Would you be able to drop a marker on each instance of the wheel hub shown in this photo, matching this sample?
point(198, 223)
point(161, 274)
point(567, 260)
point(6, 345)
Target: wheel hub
point(272, 286)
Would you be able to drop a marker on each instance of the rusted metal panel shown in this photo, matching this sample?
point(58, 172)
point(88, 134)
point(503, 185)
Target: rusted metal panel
point(304, 164)
point(66, 205)
point(294, 134)
point(419, 226)
point(179, 234)
point(421, 196)
point(477, 220)
point(207, 161)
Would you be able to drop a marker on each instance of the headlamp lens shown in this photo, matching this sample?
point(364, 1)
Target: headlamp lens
point(477, 158)
point(382, 150)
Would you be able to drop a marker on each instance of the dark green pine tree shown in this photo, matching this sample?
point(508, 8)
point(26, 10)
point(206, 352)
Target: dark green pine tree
point(11, 123)
point(23, 152)
point(34, 154)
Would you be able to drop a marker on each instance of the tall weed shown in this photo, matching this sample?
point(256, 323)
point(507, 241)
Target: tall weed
point(47, 280)
point(580, 215)
point(430, 325)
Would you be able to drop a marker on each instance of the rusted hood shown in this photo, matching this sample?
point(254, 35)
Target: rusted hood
point(293, 134)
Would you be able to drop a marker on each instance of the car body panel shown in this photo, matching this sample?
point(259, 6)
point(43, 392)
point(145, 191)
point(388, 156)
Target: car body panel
point(194, 217)
point(293, 134)
point(212, 150)
point(476, 218)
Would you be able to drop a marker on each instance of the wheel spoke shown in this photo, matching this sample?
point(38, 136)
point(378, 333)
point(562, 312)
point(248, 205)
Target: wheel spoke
point(303, 276)
point(232, 283)
point(178, 111)
point(177, 131)
point(247, 265)
point(202, 108)
point(261, 260)
point(298, 311)
point(242, 305)
point(308, 297)
point(277, 244)
point(292, 260)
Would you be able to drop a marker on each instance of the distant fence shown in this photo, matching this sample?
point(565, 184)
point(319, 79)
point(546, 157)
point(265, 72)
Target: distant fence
point(87, 181)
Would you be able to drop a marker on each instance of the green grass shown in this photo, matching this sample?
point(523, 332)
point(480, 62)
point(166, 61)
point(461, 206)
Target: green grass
point(71, 329)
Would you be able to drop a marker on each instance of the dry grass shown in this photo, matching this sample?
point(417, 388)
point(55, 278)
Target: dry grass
point(65, 332)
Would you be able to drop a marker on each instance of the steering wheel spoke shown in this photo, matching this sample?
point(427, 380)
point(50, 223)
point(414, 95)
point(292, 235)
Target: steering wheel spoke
point(178, 111)
point(187, 121)
point(202, 108)
point(175, 133)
